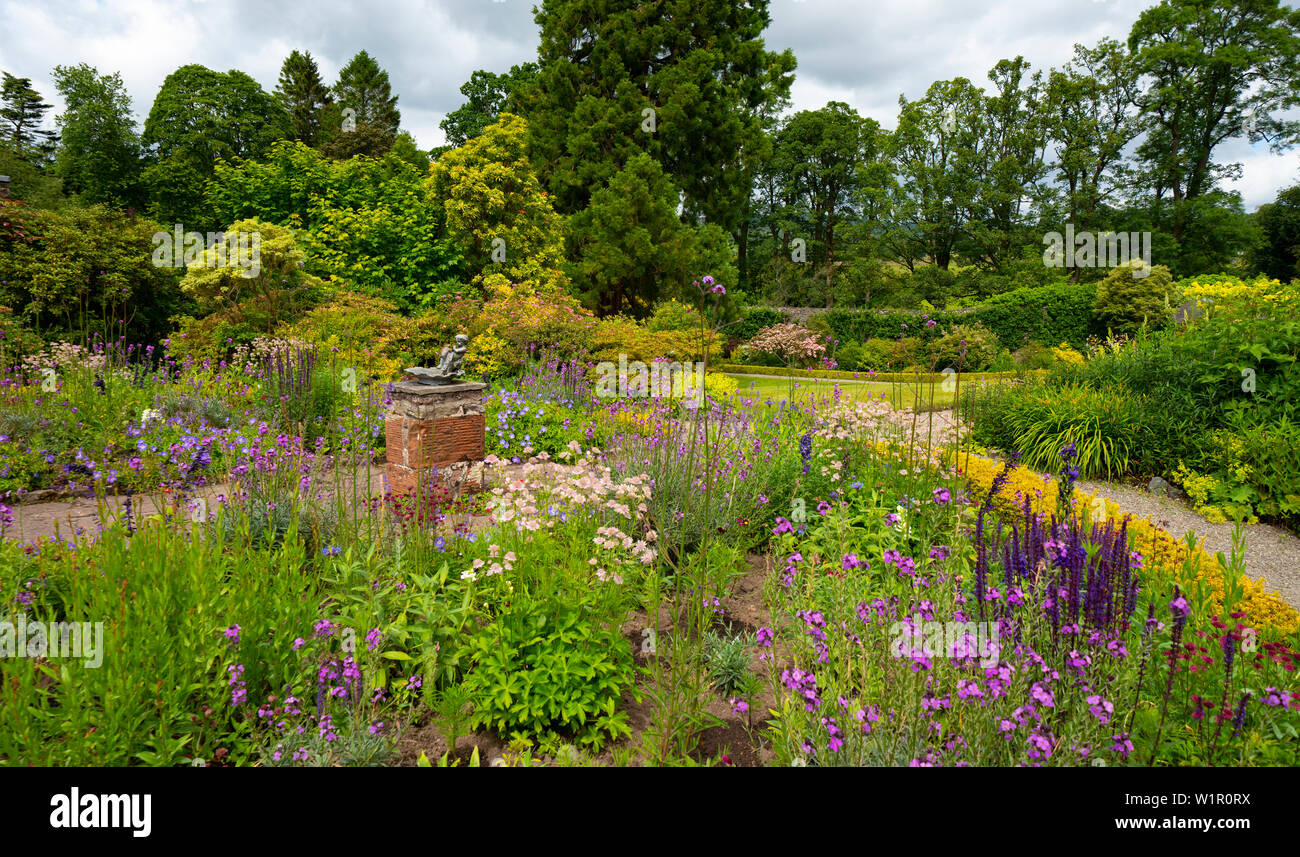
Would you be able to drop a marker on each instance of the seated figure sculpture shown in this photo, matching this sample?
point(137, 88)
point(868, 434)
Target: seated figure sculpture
point(450, 364)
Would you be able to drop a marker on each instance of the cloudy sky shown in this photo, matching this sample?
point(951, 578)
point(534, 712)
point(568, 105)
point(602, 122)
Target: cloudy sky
point(863, 52)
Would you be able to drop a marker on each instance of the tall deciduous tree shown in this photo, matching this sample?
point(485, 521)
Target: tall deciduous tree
point(1091, 113)
point(1215, 70)
point(820, 154)
point(1278, 254)
point(201, 116)
point(487, 96)
point(1009, 163)
point(99, 155)
point(935, 150)
point(304, 96)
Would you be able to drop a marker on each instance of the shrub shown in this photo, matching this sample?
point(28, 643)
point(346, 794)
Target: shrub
point(1063, 353)
point(719, 387)
point(85, 270)
point(361, 332)
point(674, 315)
point(794, 344)
point(1059, 312)
point(849, 356)
point(905, 352)
point(1004, 362)
point(968, 347)
point(755, 319)
point(877, 354)
point(1034, 356)
point(1126, 302)
point(618, 335)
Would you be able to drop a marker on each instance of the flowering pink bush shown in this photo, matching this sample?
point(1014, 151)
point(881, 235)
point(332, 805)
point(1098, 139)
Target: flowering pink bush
point(791, 342)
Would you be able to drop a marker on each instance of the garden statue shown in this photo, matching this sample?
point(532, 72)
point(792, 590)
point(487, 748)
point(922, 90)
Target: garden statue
point(449, 369)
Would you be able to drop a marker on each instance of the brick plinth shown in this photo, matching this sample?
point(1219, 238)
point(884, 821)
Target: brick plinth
point(433, 426)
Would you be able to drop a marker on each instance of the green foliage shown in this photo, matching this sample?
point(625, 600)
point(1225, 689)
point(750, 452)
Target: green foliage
point(965, 348)
point(543, 667)
point(199, 117)
point(368, 223)
point(754, 319)
point(304, 96)
point(615, 335)
point(21, 115)
point(1237, 60)
point(632, 249)
point(163, 599)
point(35, 186)
point(519, 426)
point(1132, 296)
point(1106, 426)
point(1034, 356)
point(675, 315)
point(706, 96)
point(497, 215)
point(370, 127)
point(85, 271)
point(487, 96)
point(1055, 313)
point(1278, 253)
point(99, 156)
point(278, 289)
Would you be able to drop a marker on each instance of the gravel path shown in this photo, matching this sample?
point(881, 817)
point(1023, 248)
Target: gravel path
point(1272, 553)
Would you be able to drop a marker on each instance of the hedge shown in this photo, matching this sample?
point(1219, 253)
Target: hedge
point(837, 375)
point(1047, 314)
point(755, 319)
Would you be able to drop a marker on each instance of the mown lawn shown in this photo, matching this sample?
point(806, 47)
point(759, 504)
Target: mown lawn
point(900, 394)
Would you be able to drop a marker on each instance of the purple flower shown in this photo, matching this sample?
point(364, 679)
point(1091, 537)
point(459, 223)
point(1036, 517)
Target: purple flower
point(232, 634)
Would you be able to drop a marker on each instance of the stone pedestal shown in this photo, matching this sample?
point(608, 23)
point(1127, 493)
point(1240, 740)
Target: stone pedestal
point(433, 426)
